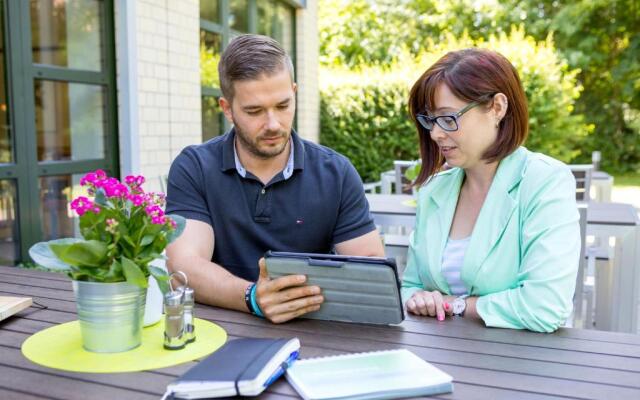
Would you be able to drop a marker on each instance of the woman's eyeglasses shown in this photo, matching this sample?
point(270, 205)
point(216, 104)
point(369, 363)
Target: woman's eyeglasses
point(448, 122)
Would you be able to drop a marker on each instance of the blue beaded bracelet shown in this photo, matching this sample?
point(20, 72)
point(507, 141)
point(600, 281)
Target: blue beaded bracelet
point(254, 302)
point(247, 297)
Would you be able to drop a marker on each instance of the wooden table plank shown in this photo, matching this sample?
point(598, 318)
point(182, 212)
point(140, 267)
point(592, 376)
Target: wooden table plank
point(60, 387)
point(13, 394)
point(485, 363)
point(44, 282)
point(432, 353)
point(17, 271)
point(396, 336)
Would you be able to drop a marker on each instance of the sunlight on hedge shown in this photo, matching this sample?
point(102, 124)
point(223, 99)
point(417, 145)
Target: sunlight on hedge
point(364, 111)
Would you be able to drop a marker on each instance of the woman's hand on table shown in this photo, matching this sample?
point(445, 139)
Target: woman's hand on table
point(432, 304)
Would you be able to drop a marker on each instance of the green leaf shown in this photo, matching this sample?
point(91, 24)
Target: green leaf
point(100, 198)
point(146, 240)
point(180, 224)
point(115, 273)
point(161, 276)
point(42, 254)
point(133, 273)
point(90, 253)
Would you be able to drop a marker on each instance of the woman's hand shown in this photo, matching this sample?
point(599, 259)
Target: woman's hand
point(432, 304)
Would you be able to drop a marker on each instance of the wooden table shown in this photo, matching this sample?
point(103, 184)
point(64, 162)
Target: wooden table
point(485, 363)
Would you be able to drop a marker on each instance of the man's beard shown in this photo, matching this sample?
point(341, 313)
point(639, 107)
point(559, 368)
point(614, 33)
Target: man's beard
point(252, 146)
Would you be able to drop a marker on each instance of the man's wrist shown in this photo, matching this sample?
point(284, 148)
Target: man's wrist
point(254, 302)
point(247, 297)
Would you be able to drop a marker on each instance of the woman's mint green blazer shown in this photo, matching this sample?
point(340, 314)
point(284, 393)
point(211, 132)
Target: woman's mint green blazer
point(522, 259)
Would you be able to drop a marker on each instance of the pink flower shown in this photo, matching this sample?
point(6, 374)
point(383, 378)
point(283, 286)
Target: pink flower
point(135, 183)
point(112, 225)
point(155, 198)
point(154, 211)
point(113, 188)
point(82, 204)
point(93, 179)
point(137, 199)
point(133, 180)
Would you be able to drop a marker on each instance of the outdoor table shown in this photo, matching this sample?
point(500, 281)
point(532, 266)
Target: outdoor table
point(392, 209)
point(486, 363)
point(617, 287)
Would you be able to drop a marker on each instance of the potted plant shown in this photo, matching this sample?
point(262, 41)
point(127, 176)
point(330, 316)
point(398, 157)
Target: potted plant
point(123, 229)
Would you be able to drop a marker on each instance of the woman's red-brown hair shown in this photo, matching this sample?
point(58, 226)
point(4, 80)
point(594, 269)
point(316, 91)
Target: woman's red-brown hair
point(471, 74)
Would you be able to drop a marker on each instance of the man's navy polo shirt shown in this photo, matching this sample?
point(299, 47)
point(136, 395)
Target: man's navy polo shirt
point(320, 205)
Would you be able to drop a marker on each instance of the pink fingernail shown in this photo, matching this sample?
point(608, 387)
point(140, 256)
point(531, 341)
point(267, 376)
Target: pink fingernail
point(440, 318)
point(446, 306)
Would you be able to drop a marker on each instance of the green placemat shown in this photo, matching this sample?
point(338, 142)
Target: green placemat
point(60, 347)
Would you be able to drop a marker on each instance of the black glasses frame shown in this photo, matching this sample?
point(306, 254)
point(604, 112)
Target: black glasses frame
point(448, 122)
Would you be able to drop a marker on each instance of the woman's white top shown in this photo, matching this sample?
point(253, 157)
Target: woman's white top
point(452, 260)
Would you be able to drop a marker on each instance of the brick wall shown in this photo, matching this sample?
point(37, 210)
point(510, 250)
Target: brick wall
point(167, 89)
point(307, 71)
point(168, 83)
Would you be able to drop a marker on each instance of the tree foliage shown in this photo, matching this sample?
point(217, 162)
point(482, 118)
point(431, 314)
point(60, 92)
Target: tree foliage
point(600, 39)
point(364, 112)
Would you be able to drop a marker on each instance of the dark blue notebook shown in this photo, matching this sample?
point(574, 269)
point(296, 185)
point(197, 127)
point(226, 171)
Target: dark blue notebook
point(242, 367)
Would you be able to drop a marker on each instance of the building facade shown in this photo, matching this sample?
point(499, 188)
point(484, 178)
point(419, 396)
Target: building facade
point(121, 85)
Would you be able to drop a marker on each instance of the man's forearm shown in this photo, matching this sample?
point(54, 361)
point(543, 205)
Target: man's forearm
point(213, 284)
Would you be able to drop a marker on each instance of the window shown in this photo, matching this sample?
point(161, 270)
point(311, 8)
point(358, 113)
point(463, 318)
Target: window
point(57, 115)
point(220, 21)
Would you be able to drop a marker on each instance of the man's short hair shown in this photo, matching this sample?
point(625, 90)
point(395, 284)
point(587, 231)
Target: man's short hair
point(248, 57)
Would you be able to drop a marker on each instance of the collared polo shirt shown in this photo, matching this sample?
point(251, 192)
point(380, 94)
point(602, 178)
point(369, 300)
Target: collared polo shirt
point(321, 204)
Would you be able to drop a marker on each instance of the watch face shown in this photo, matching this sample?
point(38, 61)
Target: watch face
point(458, 306)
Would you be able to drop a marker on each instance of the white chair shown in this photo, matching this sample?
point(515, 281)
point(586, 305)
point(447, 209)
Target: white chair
point(387, 180)
point(578, 296)
point(397, 247)
point(402, 184)
point(582, 173)
point(372, 187)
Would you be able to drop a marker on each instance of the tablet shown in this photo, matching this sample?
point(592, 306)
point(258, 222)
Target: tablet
point(355, 289)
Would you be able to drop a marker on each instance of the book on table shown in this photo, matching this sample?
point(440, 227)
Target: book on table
point(376, 375)
point(242, 367)
point(13, 305)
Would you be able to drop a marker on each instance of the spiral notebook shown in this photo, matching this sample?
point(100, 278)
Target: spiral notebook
point(386, 374)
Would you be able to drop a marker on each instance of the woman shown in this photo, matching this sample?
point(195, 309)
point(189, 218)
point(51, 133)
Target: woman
point(497, 235)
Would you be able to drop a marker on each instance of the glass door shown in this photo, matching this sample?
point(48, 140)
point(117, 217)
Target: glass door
point(60, 60)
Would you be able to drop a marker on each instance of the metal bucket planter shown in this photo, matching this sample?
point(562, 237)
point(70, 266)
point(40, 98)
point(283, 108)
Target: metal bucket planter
point(110, 315)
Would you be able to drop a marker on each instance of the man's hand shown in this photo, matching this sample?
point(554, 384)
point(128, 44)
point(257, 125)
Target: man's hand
point(287, 297)
point(433, 304)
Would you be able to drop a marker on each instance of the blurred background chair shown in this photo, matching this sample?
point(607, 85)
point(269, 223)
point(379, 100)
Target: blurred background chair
point(582, 173)
point(402, 184)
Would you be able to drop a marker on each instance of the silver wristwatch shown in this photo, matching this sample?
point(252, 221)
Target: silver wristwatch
point(460, 305)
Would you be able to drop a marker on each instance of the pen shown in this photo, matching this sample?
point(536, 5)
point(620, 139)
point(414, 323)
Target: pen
point(281, 368)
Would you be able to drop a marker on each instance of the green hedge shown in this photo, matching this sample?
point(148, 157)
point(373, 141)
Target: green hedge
point(364, 112)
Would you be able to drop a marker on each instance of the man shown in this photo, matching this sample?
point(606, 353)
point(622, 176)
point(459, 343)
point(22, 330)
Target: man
point(260, 187)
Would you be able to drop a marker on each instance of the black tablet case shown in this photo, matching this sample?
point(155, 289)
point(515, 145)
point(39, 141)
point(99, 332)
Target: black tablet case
point(355, 289)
